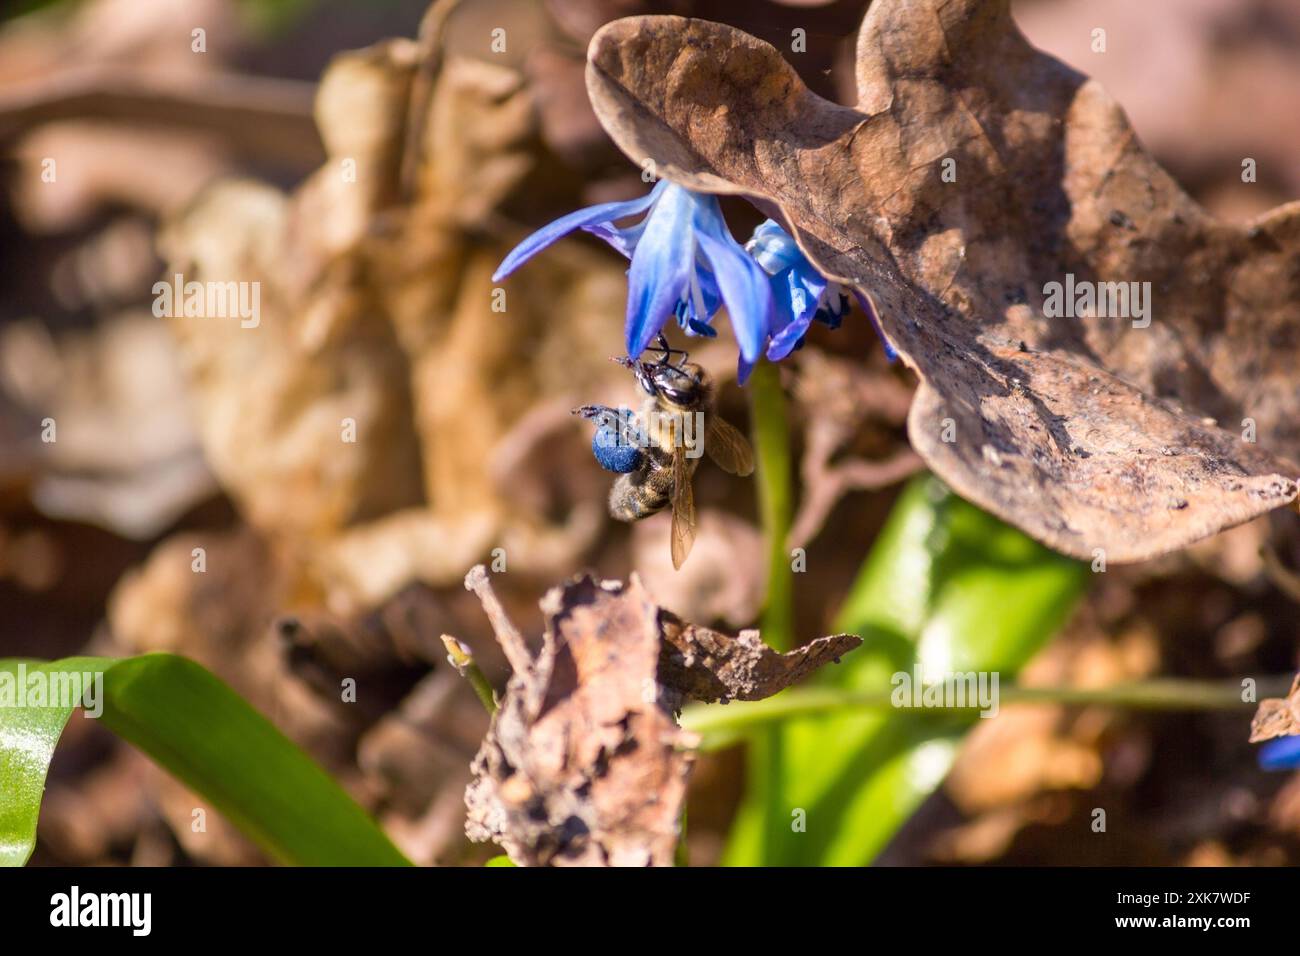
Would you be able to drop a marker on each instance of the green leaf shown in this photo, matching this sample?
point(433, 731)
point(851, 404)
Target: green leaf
point(945, 585)
point(206, 735)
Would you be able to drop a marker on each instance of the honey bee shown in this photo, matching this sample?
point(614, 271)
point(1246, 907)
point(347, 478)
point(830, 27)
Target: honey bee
point(656, 449)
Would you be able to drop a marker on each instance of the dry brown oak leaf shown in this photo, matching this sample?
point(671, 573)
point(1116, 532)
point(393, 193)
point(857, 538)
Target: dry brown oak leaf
point(585, 764)
point(1086, 432)
point(1277, 716)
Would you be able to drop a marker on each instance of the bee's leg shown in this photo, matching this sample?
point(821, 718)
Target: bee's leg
point(619, 422)
point(661, 345)
point(630, 430)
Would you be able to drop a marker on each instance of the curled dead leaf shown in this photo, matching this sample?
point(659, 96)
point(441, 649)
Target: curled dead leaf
point(709, 666)
point(973, 172)
point(365, 406)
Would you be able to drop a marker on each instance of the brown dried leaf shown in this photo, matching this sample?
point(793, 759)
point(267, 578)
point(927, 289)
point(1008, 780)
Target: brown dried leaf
point(1211, 58)
point(584, 763)
point(708, 665)
point(271, 399)
point(126, 456)
point(378, 307)
point(825, 25)
point(1087, 433)
point(1277, 717)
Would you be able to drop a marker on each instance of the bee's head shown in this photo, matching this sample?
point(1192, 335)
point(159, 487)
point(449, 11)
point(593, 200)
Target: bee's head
point(683, 386)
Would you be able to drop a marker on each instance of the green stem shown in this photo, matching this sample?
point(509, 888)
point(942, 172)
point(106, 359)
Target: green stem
point(771, 432)
point(682, 856)
point(772, 450)
point(460, 657)
point(1159, 694)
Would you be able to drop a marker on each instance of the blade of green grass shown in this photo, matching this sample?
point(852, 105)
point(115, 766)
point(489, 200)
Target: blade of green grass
point(208, 737)
point(948, 586)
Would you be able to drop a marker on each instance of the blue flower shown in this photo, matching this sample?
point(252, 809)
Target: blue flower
point(802, 293)
point(1281, 754)
point(685, 264)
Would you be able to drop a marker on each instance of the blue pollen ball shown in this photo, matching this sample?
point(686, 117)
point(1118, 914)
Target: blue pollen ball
point(612, 454)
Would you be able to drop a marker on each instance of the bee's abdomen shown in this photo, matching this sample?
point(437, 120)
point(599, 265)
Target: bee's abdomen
point(642, 493)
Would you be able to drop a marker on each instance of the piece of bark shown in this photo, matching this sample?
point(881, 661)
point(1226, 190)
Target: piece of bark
point(1087, 433)
point(583, 766)
point(584, 763)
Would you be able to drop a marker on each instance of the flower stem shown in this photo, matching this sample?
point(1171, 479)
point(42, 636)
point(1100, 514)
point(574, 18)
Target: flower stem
point(772, 450)
point(764, 758)
point(721, 724)
point(681, 855)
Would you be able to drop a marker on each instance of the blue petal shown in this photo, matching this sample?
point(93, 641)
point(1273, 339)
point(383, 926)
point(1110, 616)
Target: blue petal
point(796, 306)
point(774, 248)
point(623, 239)
point(1281, 754)
point(813, 284)
point(800, 296)
point(695, 320)
point(787, 340)
point(593, 219)
point(743, 369)
point(661, 268)
point(741, 280)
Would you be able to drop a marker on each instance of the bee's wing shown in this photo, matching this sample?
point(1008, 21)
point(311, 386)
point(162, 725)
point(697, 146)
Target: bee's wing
point(728, 447)
point(683, 505)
